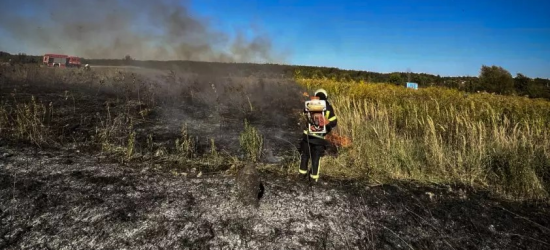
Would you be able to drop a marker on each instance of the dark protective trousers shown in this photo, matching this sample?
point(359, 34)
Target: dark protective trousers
point(313, 152)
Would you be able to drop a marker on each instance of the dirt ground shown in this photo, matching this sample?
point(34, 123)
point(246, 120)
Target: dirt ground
point(71, 194)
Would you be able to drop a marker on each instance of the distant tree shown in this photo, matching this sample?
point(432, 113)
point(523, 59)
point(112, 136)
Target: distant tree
point(539, 88)
point(422, 80)
point(4, 56)
point(345, 77)
point(21, 58)
point(496, 79)
point(472, 84)
point(542, 82)
point(317, 74)
point(128, 58)
point(395, 78)
point(438, 80)
point(521, 83)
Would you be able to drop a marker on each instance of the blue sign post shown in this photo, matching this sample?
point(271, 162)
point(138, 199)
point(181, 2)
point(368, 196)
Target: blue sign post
point(412, 85)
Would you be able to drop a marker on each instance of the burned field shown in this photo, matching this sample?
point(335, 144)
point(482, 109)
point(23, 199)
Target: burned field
point(146, 159)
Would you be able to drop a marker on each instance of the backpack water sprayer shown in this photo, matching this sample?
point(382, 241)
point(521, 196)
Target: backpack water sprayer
point(315, 113)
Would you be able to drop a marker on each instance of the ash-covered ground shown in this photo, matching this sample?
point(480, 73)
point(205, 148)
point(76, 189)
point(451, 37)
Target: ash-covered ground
point(69, 200)
point(65, 185)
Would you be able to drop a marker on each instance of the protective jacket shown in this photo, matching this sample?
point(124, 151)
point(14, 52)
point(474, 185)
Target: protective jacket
point(313, 146)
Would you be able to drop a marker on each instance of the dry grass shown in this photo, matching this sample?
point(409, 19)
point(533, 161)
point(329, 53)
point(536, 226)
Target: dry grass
point(186, 146)
point(252, 142)
point(27, 121)
point(443, 136)
point(116, 135)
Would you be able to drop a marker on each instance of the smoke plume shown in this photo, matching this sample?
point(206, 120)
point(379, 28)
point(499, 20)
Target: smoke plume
point(143, 29)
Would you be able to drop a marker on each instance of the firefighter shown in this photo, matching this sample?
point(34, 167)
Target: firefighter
point(313, 146)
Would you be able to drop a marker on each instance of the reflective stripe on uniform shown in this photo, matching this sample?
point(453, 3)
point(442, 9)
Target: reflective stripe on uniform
point(314, 135)
point(303, 171)
point(330, 118)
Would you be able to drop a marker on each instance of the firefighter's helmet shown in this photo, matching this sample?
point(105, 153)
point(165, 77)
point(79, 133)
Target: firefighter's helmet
point(321, 93)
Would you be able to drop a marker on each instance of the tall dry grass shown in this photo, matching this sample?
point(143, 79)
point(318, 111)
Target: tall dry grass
point(443, 136)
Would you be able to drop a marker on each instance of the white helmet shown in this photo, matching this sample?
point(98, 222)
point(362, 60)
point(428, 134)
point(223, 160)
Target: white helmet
point(321, 91)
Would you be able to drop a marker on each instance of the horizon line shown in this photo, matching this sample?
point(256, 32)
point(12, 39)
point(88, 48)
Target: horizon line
point(283, 64)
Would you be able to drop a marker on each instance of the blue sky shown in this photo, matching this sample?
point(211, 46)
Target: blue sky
point(443, 37)
point(440, 37)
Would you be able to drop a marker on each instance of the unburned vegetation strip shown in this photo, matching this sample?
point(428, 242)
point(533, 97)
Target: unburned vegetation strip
point(439, 135)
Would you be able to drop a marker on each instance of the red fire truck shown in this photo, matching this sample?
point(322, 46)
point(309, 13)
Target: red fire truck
point(62, 61)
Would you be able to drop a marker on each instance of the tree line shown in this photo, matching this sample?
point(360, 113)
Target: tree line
point(492, 79)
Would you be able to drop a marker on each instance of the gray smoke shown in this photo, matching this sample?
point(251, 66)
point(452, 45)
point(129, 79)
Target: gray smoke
point(143, 29)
